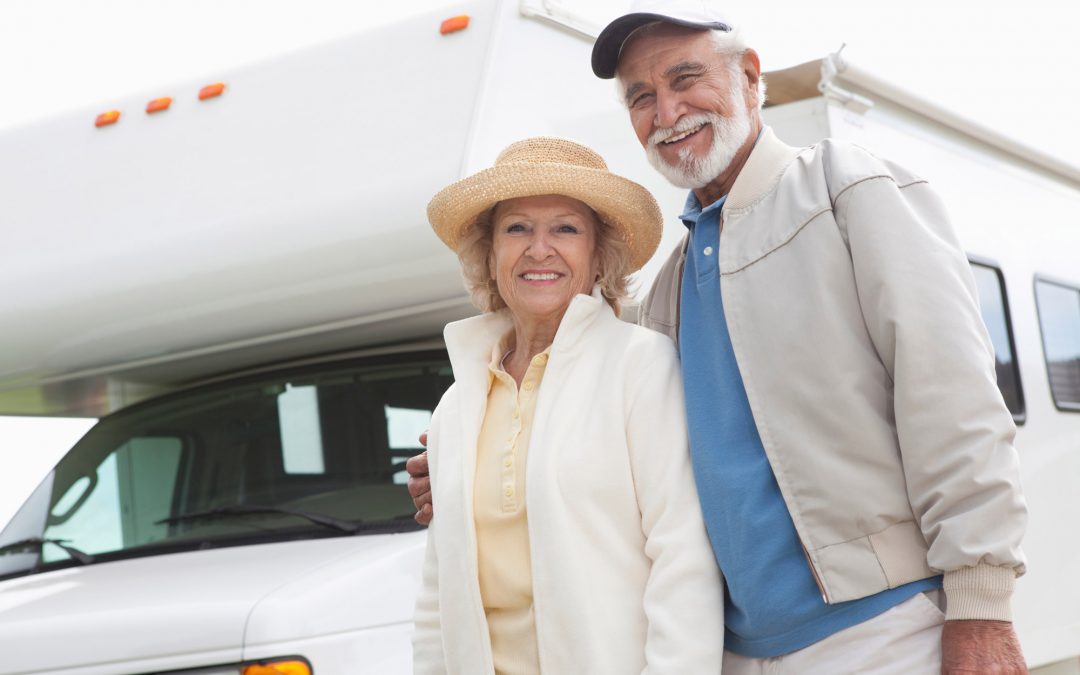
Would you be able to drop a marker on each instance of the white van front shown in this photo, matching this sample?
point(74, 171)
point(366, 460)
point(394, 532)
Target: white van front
point(260, 518)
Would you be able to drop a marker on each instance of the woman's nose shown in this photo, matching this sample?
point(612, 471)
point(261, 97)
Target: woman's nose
point(539, 247)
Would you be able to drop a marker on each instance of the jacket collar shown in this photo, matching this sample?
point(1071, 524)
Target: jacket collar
point(762, 170)
point(469, 341)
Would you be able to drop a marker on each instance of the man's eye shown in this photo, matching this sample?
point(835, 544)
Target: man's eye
point(641, 100)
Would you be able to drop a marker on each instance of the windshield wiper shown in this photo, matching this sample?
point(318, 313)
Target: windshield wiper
point(38, 542)
point(250, 509)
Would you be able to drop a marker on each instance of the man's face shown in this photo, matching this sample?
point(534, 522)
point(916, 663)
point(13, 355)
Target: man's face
point(689, 105)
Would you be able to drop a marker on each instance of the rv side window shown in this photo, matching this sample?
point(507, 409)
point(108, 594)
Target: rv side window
point(1059, 319)
point(994, 306)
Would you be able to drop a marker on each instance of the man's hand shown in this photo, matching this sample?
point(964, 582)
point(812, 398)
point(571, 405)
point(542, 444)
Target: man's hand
point(983, 647)
point(420, 484)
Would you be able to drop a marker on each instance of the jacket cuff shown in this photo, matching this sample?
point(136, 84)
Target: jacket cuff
point(980, 592)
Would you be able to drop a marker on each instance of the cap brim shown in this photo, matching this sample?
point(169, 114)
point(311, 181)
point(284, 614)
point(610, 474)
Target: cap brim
point(608, 46)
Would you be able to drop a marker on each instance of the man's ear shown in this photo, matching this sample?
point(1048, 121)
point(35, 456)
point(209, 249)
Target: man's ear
point(751, 68)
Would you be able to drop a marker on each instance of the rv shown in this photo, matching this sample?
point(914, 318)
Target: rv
point(238, 278)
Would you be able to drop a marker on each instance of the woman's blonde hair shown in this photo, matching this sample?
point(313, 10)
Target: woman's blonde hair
point(476, 250)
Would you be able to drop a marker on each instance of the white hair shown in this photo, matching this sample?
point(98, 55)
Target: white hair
point(733, 45)
point(730, 44)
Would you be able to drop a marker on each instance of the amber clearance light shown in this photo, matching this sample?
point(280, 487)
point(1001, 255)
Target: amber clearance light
point(454, 24)
point(158, 104)
point(107, 118)
point(283, 667)
point(211, 90)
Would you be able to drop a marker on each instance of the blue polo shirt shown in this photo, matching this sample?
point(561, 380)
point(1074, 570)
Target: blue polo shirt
point(773, 605)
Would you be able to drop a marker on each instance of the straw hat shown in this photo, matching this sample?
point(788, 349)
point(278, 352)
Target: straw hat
point(551, 166)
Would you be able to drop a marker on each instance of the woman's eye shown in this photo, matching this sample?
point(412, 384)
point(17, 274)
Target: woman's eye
point(515, 227)
point(567, 229)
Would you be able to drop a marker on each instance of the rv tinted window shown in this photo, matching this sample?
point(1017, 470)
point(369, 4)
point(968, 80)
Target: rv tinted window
point(310, 452)
point(994, 305)
point(1059, 319)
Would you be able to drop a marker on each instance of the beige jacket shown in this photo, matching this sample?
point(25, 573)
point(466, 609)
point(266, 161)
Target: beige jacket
point(624, 579)
point(855, 323)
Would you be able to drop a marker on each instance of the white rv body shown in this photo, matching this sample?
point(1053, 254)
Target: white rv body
point(284, 223)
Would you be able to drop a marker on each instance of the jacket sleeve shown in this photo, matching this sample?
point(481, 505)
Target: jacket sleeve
point(429, 657)
point(659, 310)
point(684, 602)
point(920, 306)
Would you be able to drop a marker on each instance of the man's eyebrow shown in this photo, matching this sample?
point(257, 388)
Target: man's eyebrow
point(684, 67)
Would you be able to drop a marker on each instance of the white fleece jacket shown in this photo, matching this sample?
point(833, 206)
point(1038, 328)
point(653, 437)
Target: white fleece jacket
point(624, 579)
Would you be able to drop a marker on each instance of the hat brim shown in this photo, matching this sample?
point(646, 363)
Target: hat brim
point(618, 201)
point(609, 44)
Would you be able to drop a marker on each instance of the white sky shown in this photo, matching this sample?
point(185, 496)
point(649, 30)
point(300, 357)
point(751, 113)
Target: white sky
point(1009, 65)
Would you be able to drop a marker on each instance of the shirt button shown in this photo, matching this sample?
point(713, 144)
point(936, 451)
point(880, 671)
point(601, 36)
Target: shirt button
point(517, 413)
point(708, 250)
point(541, 358)
point(529, 385)
point(508, 462)
point(509, 492)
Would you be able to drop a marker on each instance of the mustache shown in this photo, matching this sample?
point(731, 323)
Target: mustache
point(685, 124)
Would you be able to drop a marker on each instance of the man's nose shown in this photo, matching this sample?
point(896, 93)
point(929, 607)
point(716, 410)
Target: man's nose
point(668, 110)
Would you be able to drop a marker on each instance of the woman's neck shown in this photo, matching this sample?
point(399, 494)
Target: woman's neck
point(530, 338)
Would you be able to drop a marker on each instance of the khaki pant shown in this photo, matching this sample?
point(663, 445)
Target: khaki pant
point(905, 640)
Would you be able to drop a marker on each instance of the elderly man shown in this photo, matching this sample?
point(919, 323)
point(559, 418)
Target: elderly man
point(852, 452)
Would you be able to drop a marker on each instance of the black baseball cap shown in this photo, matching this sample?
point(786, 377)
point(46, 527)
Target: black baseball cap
point(690, 13)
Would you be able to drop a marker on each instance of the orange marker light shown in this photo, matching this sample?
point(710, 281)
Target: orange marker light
point(211, 90)
point(107, 118)
point(278, 668)
point(158, 104)
point(454, 24)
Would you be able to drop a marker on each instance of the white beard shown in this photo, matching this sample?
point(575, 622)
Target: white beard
point(729, 134)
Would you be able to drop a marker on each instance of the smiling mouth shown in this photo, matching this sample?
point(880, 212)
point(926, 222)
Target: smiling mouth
point(546, 276)
point(683, 136)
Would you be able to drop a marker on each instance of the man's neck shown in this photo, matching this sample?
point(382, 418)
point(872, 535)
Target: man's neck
point(722, 184)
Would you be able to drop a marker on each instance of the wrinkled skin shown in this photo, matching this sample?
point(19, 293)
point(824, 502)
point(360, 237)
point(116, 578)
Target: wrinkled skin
point(983, 647)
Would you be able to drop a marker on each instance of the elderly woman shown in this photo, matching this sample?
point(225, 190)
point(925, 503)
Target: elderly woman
point(567, 536)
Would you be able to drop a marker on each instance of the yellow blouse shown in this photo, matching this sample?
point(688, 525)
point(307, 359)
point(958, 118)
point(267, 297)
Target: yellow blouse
point(502, 531)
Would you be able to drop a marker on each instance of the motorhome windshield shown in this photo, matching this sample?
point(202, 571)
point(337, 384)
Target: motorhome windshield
point(297, 454)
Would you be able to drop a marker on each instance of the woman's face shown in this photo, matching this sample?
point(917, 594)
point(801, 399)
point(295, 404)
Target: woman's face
point(543, 254)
